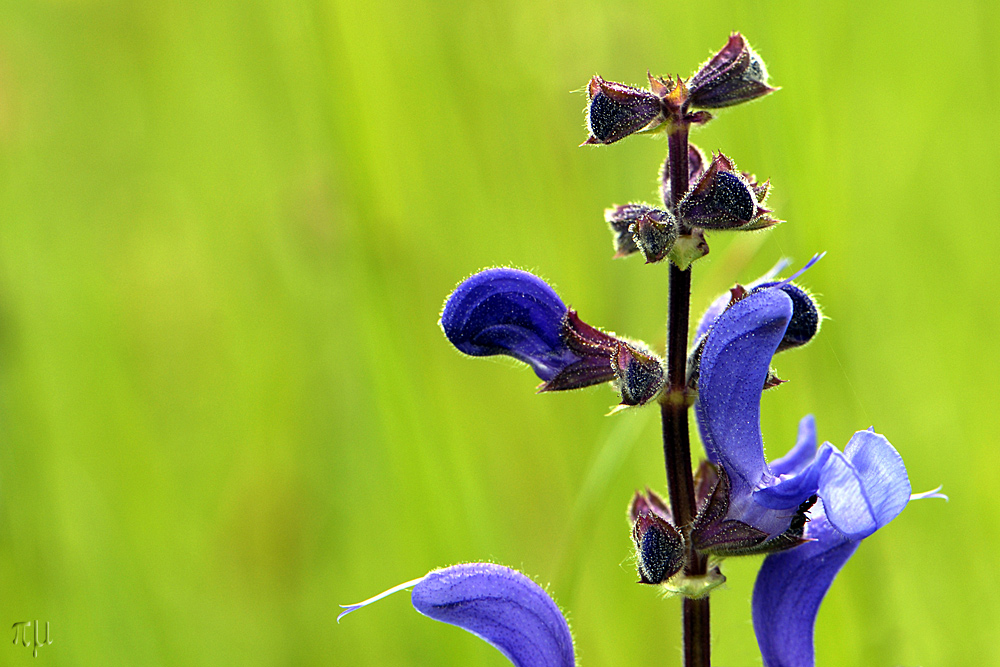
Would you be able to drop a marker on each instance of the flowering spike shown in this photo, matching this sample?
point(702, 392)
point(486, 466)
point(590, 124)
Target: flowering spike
point(615, 111)
point(734, 75)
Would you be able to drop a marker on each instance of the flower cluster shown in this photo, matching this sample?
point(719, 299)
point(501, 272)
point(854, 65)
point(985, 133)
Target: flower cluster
point(807, 511)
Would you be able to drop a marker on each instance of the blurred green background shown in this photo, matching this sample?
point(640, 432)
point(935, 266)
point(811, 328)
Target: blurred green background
point(227, 229)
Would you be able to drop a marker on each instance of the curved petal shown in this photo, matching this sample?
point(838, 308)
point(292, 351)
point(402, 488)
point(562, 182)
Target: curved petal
point(789, 589)
point(733, 368)
point(866, 487)
point(787, 493)
point(509, 312)
point(501, 606)
point(712, 313)
point(803, 451)
point(721, 301)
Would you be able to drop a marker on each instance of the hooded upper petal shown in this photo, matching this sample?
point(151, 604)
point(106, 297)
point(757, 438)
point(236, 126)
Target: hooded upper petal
point(501, 606)
point(510, 312)
point(722, 301)
point(734, 365)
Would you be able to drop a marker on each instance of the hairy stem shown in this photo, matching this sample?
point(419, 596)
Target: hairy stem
point(674, 410)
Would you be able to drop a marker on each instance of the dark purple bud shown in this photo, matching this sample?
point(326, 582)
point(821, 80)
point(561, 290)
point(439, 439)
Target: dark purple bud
point(621, 219)
point(659, 549)
point(650, 503)
point(615, 111)
point(733, 75)
point(655, 234)
point(644, 228)
point(696, 167)
point(509, 312)
point(639, 375)
point(723, 199)
point(805, 315)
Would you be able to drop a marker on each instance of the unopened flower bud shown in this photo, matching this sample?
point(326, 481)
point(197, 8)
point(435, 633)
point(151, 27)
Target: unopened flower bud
point(621, 219)
point(659, 549)
point(733, 75)
point(723, 199)
point(639, 375)
point(655, 234)
point(805, 315)
point(615, 111)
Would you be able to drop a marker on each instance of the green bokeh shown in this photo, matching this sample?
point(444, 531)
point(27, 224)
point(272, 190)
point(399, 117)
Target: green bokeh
point(226, 231)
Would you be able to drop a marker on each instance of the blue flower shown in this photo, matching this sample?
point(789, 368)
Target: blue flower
point(516, 314)
point(509, 312)
point(497, 604)
point(808, 510)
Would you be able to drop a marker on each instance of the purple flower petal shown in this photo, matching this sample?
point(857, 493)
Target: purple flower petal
point(501, 606)
point(788, 492)
point(802, 453)
point(733, 368)
point(720, 303)
point(789, 589)
point(712, 313)
point(866, 487)
point(862, 489)
point(509, 312)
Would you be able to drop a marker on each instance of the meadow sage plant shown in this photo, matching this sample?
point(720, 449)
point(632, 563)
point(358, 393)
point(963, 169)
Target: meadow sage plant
point(807, 511)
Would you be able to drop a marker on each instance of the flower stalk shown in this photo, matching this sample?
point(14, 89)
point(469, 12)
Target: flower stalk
point(674, 413)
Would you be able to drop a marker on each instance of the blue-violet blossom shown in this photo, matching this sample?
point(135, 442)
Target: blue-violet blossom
point(498, 604)
point(514, 313)
point(809, 509)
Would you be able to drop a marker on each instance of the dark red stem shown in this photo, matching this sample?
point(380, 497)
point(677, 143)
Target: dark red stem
point(674, 410)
